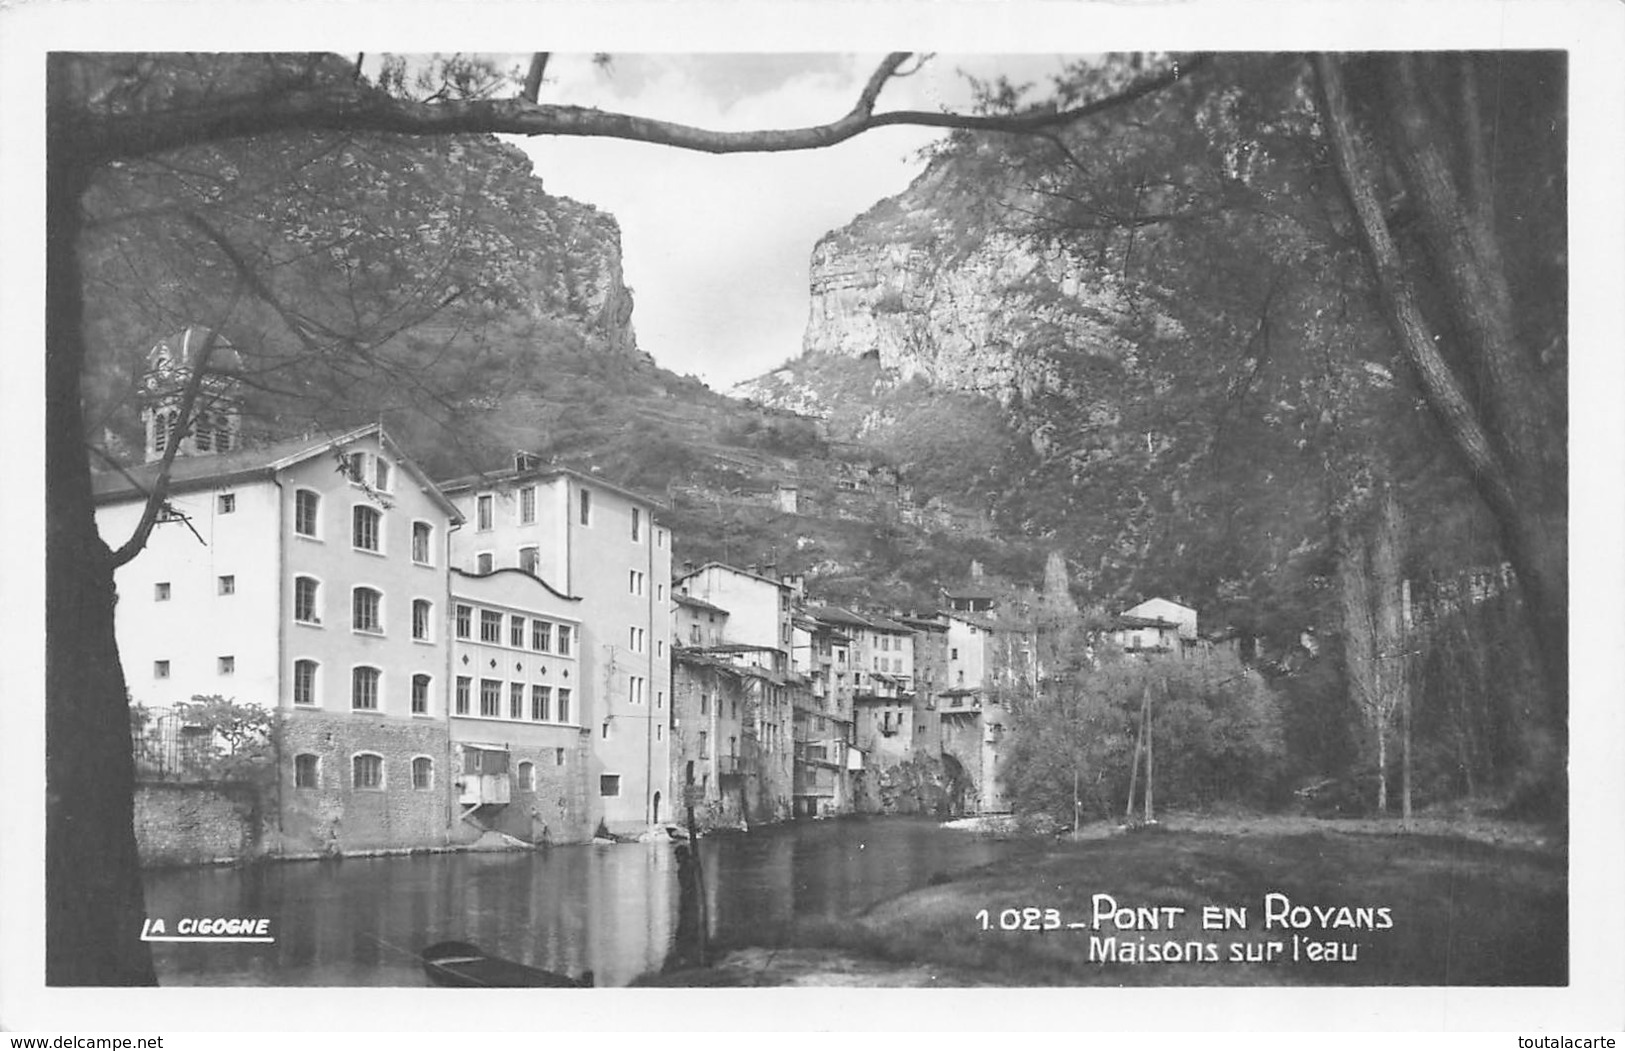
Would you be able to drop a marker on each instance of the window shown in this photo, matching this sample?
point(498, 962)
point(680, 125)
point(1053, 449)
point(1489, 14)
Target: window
point(659, 735)
point(705, 748)
point(660, 538)
point(564, 640)
point(366, 528)
point(660, 698)
point(694, 634)
point(304, 682)
point(516, 700)
point(364, 688)
point(305, 506)
point(227, 584)
point(420, 694)
point(660, 592)
point(953, 654)
point(586, 507)
point(465, 616)
point(635, 689)
point(364, 611)
point(490, 626)
point(637, 523)
point(516, 632)
point(634, 639)
point(541, 703)
point(705, 704)
point(528, 557)
point(226, 665)
point(422, 613)
point(306, 771)
point(422, 533)
point(490, 698)
point(609, 784)
point(226, 503)
point(541, 636)
point(635, 582)
point(527, 505)
point(558, 757)
point(380, 474)
point(160, 591)
point(564, 707)
point(369, 771)
point(354, 466)
point(304, 600)
point(660, 647)
point(422, 773)
point(482, 513)
point(527, 777)
point(465, 686)
point(483, 563)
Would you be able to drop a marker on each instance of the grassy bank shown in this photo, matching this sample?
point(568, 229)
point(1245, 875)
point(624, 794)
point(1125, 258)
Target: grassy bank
point(1459, 911)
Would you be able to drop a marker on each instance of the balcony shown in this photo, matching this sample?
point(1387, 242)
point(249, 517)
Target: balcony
point(730, 766)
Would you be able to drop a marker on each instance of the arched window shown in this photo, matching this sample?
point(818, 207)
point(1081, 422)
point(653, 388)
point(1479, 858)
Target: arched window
point(306, 507)
point(306, 596)
point(420, 694)
point(423, 773)
point(368, 770)
point(527, 777)
point(306, 771)
point(365, 610)
point(304, 682)
point(422, 617)
point(367, 529)
point(364, 688)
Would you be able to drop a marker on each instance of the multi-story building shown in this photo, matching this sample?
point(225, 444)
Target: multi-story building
point(519, 748)
point(714, 745)
point(598, 543)
point(1157, 625)
point(305, 576)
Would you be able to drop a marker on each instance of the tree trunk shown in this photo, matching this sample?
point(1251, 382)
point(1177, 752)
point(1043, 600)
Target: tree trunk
point(1504, 438)
point(93, 896)
point(1382, 768)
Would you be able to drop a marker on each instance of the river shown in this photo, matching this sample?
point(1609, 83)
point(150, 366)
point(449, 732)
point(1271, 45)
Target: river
point(608, 909)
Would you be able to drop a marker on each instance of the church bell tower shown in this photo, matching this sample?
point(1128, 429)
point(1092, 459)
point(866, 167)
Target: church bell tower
point(216, 418)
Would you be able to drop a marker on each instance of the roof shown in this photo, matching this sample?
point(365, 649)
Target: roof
point(923, 624)
point(243, 464)
point(697, 603)
point(503, 479)
point(874, 622)
point(969, 593)
point(735, 570)
point(1126, 621)
point(974, 620)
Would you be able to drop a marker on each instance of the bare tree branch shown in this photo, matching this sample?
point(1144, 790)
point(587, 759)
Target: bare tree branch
point(92, 136)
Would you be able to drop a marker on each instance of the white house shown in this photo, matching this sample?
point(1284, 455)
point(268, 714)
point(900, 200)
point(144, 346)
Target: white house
point(600, 544)
point(307, 576)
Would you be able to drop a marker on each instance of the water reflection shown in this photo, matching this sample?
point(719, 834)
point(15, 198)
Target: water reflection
point(611, 910)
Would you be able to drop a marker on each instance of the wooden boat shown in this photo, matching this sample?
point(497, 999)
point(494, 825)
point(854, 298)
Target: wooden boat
point(464, 966)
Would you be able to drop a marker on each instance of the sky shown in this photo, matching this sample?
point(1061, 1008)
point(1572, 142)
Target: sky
point(716, 248)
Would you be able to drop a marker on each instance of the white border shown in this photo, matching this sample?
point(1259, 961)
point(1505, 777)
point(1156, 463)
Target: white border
point(1591, 30)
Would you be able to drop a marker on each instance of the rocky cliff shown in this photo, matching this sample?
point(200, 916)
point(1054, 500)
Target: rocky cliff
point(928, 286)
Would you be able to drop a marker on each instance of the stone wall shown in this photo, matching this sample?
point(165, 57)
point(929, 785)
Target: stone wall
point(194, 824)
point(555, 808)
point(335, 817)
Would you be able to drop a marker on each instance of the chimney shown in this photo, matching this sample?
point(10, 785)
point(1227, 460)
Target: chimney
point(524, 461)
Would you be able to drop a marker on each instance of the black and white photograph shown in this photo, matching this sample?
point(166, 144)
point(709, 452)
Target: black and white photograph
point(753, 510)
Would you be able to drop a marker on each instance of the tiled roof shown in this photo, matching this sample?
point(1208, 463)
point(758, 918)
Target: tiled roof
point(697, 603)
point(197, 472)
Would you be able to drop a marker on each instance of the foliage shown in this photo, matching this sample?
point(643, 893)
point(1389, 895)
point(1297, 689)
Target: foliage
point(1216, 733)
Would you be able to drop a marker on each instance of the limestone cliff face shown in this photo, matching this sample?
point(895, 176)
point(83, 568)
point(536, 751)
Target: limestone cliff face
point(587, 281)
point(929, 285)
